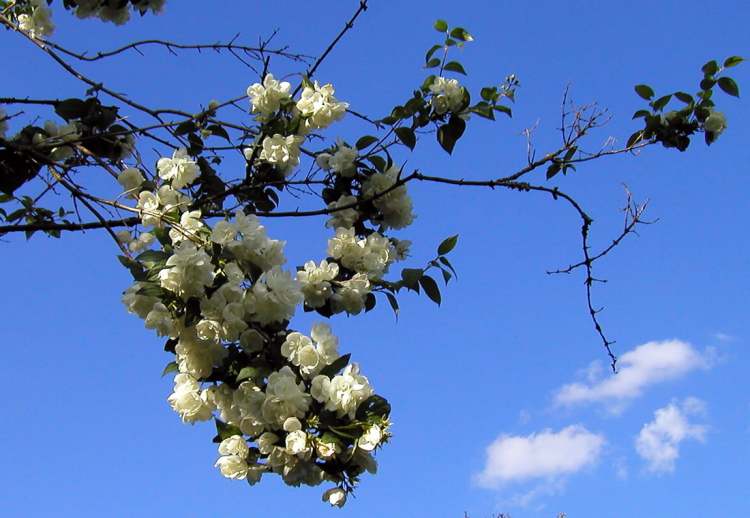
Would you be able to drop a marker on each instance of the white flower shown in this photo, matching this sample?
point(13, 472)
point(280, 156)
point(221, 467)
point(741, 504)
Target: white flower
point(223, 232)
point(347, 390)
point(320, 388)
point(130, 179)
point(189, 401)
point(296, 443)
point(160, 320)
point(189, 271)
point(315, 282)
point(141, 305)
point(281, 151)
point(308, 356)
point(319, 106)
point(350, 295)
point(395, 205)
point(179, 169)
point(268, 97)
point(448, 95)
point(190, 224)
point(284, 397)
point(370, 439)
point(38, 24)
point(145, 239)
point(197, 356)
point(148, 204)
point(325, 449)
point(340, 162)
point(371, 255)
point(170, 199)
point(344, 218)
point(267, 442)
point(233, 466)
point(234, 445)
point(335, 496)
point(55, 139)
point(275, 297)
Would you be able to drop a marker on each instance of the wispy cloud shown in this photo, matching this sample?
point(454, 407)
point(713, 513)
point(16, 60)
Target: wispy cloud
point(545, 455)
point(658, 442)
point(639, 368)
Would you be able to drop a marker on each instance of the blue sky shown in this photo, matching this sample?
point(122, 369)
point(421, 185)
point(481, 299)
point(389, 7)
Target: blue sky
point(501, 397)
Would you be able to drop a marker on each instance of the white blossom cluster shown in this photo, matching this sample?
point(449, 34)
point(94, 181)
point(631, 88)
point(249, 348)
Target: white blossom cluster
point(447, 95)
point(217, 291)
point(37, 21)
point(117, 14)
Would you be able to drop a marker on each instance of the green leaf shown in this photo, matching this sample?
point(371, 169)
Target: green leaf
point(710, 68)
point(504, 109)
point(684, 97)
point(552, 170)
point(378, 161)
point(454, 66)
point(432, 63)
point(71, 109)
point(171, 367)
point(728, 85)
point(373, 406)
point(441, 25)
point(135, 268)
point(151, 258)
point(247, 373)
point(225, 431)
point(707, 83)
point(733, 61)
point(406, 136)
point(338, 364)
point(447, 263)
point(448, 134)
point(661, 102)
point(185, 127)
point(461, 34)
point(644, 91)
point(219, 131)
point(411, 277)
point(366, 141)
point(430, 52)
point(447, 245)
point(431, 288)
point(393, 302)
point(488, 94)
point(446, 276)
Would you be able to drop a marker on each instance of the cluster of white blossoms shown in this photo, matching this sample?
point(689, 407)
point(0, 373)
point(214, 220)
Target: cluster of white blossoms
point(284, 402)
point(117, 14)
point(447, 95)
point(37, 22)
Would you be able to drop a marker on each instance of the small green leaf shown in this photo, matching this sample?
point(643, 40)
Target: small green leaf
point(185, 127)
point(431, 288)
point(151, 258)
point(393, 302)
point(461, 34)
point(710, 68)
point(219, 131)
point(446, 276)
point(378, 161)
point(447, 245)
point(441, 25)
point(448, 134)
point(661, 102)
point(374, 405)
point(71, 109)
point(644, 91)
point(171, 367)
point(430, 52)
point(432, 63)
point(684, 97)
point(365, 141)
point(454, 66)
point(733, 61)
point(338, 364)
point(552, 170)
point(411, 277)
point(406, 136)
point(225, 431)
point(728, 85)
point(247, 373)
point(447, 263)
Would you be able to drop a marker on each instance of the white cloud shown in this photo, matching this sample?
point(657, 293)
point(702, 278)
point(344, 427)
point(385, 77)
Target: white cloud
point(658, 442)
point(545, 455)
point(646, 365)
